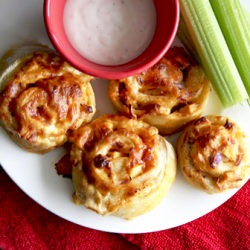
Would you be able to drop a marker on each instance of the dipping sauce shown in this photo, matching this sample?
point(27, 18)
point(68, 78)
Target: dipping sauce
point(110, 32)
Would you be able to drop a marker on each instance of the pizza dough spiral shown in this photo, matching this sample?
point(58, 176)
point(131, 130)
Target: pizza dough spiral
point(121, 166)
point(168, 95)
point(213, 154)
point(42, 97)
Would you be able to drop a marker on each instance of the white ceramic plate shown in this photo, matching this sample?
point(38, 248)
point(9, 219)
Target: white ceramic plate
point(22, 21)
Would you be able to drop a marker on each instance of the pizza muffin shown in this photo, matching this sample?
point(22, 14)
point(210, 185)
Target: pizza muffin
point(120, 166)
point(168, 95)
point(42, 98)
point(213, 154)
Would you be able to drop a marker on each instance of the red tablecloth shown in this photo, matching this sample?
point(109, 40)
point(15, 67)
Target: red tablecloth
point(26, 225)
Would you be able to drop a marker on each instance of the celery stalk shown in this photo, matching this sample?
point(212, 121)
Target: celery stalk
point(233, 24)
point(210, 46)
point(184, 36)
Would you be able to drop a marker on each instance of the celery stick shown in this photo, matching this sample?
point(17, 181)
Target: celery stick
point(185, 38)
point(212, 51)
point(233, 24)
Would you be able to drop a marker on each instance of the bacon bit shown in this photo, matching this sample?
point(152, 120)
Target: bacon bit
point(179, 57)
point(152, 107)
point(178, 107)
point(200, 120)
point(215, 160)
point(31, 85)
point(90, 143)
point(64, 167)
point(104, 132)
point(12, 106)
point(116, 146)
point(122, 87)
point(49, 61)
point(203, 140)
point(228, 125)
point(132, 191)
point(123, 93)
point(101, 161)
point(31, 136)
point(88, 109)
point(147, 155)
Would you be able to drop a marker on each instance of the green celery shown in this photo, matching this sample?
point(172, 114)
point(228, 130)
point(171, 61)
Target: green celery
point(204, 34)
point(233, 24)
point(184, 36)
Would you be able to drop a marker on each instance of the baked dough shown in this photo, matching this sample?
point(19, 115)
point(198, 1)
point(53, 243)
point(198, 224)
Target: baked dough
point(121, 166)
point(42, 97)
point(213, 154)
point(168, 95)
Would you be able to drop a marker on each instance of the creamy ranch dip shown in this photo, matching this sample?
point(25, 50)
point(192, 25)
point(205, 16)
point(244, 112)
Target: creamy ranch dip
point(110, 32)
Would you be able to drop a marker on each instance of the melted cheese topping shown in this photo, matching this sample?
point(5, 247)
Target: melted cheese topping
point(121, 166)
point(213, 154)
point(44, 99)
point(169, 95)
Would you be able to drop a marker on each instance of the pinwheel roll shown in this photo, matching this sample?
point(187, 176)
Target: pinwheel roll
point(213, 154)
point(168, 95)
point(42, 97)
point(121, 166)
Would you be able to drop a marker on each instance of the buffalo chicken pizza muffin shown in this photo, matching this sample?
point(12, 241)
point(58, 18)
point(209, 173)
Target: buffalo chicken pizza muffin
point(42, 97)
point(121, 166)
point(168, 95)
point(213, 154)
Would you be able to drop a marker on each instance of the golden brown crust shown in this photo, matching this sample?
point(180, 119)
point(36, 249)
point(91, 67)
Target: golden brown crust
point(213, 154)
point(168, 95)
point(121, 166)
point(43, 99)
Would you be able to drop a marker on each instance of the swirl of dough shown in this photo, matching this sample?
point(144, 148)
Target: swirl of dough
point(168, 95)
point(42, 97)
point(121, 166)
point(213, 154)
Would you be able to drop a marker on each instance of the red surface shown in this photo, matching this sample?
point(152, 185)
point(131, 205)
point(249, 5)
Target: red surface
point(26, 225)
point(167, 24)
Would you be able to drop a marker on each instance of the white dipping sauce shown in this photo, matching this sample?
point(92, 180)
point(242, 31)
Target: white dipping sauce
point(110, 32)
